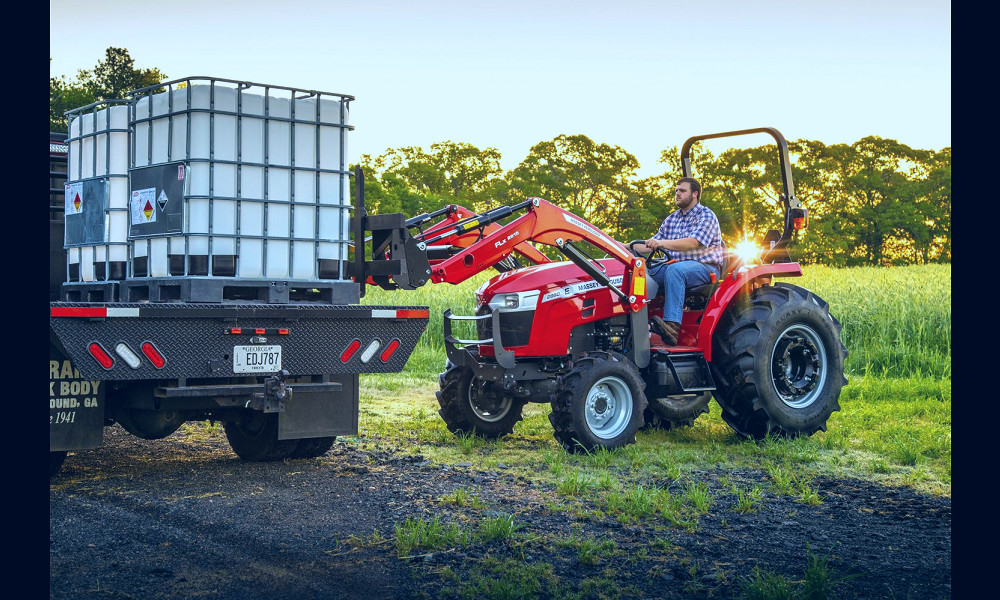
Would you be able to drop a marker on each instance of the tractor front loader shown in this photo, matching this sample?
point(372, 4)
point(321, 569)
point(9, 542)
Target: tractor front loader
point(575, 334)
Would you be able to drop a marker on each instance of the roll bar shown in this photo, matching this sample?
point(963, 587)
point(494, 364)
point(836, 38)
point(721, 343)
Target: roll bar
point(794, 211)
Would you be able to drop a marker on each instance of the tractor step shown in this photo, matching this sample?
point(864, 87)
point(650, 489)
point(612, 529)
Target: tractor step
point(688, 371)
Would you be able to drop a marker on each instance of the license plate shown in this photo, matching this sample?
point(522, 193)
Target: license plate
point(256, 359)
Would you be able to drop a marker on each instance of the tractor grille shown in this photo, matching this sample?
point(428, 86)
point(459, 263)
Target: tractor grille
point(515, 326)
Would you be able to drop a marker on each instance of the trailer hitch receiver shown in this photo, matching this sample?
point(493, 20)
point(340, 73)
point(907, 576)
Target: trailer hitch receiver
point(275, 393)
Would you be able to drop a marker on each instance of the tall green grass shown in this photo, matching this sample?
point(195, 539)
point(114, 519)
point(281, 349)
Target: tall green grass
point(896, 321)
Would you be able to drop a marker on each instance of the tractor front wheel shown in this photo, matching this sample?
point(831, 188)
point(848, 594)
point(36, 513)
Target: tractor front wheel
point(599, 403)
point(781, 363)
point(472, 405)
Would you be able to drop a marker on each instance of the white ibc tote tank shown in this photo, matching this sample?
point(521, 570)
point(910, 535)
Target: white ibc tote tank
point(266, 194)
point(98, 144)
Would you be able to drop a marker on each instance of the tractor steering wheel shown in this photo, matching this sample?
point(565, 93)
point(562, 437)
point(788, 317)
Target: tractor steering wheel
point(651, 257)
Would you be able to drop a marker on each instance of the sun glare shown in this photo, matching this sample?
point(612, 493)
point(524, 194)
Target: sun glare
point(747, 251)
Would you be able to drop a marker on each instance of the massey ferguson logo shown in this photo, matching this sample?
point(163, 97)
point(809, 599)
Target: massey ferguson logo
point(509, 238)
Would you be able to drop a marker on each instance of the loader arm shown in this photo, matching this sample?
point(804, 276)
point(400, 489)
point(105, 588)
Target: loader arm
point(455, 214)
point(543, 223)
point(401, 259)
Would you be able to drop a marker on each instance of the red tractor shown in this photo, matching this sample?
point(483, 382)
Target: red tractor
point(576, 334)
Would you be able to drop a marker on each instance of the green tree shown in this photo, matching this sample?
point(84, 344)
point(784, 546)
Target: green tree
point(592, 180)
point(938, 195)
point(868, 201)
point(411, 180)
point(112, 78)
point(65, 95)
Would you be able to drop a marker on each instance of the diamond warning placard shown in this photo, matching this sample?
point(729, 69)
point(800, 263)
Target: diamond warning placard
point(74, 198)
point(143, 206)
point(156, 200)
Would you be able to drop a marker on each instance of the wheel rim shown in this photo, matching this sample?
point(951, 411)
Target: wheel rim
point(798, 366)
point(609, 407)
point(489, 407)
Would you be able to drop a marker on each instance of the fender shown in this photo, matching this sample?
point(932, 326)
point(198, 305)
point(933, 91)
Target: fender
point(732, 286)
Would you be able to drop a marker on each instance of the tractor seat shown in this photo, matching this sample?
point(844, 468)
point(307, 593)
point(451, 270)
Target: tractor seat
point(696, 298)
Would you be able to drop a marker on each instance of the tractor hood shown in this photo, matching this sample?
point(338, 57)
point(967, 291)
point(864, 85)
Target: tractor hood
point(551, 281)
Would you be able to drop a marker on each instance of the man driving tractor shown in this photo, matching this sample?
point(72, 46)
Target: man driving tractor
point(691, 239)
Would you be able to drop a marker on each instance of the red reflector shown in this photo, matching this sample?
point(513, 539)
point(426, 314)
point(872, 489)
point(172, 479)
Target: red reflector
point(387, 353)
point(282, 332)
point(413, 314)
point(153, 355)
point(800, 222)
point(63, 311)
point(259, 331)
point(235, 330)
point(350, 350)
point(102, 357)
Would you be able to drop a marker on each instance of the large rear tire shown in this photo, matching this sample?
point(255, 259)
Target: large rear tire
point(470, 405)
point(254, 437)
point(780, 361)
point(599, 403)
point(680, 410)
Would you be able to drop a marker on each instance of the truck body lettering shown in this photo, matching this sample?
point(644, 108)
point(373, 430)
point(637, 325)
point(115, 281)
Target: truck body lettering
point(62, 370)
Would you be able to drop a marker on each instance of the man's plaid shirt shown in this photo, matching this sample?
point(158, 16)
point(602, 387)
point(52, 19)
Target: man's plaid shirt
point(699, 223)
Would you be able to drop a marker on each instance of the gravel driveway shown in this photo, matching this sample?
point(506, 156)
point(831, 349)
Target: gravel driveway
point(184, 518)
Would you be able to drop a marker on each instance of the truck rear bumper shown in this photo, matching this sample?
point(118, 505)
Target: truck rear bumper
point(200, 340)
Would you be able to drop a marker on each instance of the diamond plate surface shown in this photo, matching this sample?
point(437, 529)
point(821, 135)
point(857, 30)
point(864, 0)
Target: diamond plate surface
point(198, 346)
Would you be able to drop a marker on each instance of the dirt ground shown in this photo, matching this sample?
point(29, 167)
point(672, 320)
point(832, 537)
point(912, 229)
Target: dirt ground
point(183, 518)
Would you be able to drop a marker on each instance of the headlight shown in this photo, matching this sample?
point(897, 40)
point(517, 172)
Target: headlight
point(515, 301)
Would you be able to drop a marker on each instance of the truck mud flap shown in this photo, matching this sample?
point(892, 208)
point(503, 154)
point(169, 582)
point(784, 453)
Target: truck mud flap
point(135, 341)
point(76, 406)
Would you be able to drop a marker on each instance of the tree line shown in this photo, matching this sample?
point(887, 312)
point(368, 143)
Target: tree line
point(873, 202)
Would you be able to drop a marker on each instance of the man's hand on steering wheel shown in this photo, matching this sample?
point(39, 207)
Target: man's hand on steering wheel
point(650, 255)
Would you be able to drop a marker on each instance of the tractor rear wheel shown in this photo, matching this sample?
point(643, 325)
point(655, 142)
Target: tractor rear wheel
point(676, 411)
point(471, 405)
point(781, 363)
point(599, 403)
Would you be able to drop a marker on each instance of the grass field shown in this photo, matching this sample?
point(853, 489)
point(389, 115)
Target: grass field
point(894, 426)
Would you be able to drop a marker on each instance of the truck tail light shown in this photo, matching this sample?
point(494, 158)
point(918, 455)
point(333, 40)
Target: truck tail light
point(389, 350)
point(128, 355)
point(153, 355)
point(350, 350)
point(101, 355)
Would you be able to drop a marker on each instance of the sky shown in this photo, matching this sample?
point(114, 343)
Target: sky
point(644, 75)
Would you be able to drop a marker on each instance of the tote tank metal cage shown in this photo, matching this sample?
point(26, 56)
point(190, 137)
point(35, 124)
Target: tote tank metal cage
point(239, 191)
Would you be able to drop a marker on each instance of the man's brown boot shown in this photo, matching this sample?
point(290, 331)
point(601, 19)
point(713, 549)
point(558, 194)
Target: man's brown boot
point(668, 330)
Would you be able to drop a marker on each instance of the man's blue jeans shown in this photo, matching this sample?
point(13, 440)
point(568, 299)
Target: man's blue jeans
point(674, 279)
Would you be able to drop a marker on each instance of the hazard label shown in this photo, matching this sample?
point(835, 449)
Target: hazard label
point(74, 198)
point(143, 206)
